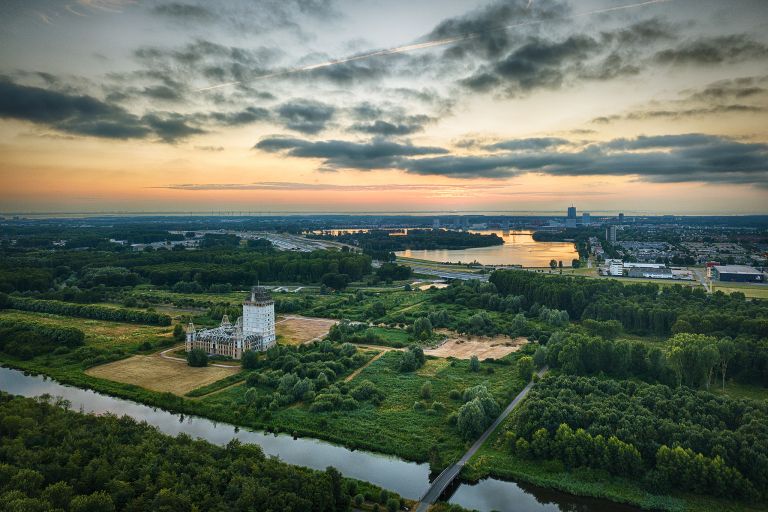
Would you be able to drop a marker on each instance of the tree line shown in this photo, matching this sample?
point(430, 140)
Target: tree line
point(207, 267)
point(380, 244)
point(53, 458)
point(26, 340)
point(640, 308)
point(693, 360)
point(88, 311)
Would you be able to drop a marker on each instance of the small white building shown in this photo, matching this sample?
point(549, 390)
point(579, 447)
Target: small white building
point(255, 330)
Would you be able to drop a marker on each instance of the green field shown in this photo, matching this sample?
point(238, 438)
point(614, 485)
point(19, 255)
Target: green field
point(394, 426)
point(756, 291)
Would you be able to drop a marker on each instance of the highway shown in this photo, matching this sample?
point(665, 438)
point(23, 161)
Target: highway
point(444, 479)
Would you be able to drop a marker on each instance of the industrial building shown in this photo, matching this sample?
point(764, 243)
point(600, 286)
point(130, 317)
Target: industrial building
point(255, 330)
point(737, 273)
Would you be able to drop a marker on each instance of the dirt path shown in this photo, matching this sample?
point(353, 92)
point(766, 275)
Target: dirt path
point(366, 365)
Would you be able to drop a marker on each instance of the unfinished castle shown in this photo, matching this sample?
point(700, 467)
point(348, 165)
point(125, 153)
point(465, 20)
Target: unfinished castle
point(255, 330)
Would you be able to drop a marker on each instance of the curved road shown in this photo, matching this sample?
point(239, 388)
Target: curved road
point(445, 478)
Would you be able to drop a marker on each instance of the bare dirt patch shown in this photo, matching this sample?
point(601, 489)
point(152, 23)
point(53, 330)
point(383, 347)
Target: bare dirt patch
point(158, 374)
point(295, 330)
point(464, 347)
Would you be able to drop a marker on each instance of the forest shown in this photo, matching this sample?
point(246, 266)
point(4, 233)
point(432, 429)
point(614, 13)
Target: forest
point(380, 244)
point(640, 308)
point(55, 459)
point(206, 268)
point(671, 438)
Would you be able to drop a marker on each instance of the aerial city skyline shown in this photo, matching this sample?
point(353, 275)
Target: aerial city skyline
point(337, 106)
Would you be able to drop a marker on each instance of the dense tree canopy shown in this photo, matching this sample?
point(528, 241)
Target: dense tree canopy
point(670, 436)
point(53, 458)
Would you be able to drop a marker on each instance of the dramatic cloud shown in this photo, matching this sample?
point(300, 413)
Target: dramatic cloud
point(246, 116)
point(338, 154)
point(714, 50)
point(405, 125)
point(747, 95)
point(489, 27)
point(305, 116)
point(667, 159)
point(182, 11)
point(85, 115)
point(527, 144)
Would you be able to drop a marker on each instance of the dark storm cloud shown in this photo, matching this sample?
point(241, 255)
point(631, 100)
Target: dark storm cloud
point(537, 64)
point(527, 144)
point(492, 39)
point(348, 73)
point(666, 159)
point(305, 116)
point(714, 50)
point(163, 92)
point(746, 95)
point(170, 127)
point(246, 116)
point(339, 154)
point(86, 115)
point(184, 12)
point(401, 125)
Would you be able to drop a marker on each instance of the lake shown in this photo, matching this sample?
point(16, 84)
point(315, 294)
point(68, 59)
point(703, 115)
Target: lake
point(519, 249)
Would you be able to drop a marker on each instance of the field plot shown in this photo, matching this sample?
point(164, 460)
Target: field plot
point(158, 374)
point(462, 346)
point(295, 330)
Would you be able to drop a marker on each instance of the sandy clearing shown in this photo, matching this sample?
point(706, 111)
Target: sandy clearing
point(158, 374)
point(464, 347)
point(295, 330)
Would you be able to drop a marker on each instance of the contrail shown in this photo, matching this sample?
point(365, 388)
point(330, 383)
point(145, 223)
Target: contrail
point(429, 44)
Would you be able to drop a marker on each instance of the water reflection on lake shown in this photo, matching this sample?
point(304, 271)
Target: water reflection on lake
point(519, 249)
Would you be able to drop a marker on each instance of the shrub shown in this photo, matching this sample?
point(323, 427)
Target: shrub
point(197, 357)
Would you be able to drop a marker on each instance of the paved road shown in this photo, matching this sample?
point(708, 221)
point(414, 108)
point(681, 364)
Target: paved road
point(446, 274)
point(451, 472)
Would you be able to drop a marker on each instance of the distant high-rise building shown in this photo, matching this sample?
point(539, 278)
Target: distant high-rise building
point(621, 217)
point(586, 218)
point(571, 212)
point(610, 233)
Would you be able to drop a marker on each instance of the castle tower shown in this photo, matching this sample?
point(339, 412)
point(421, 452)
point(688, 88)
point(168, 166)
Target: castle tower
point(259, 315)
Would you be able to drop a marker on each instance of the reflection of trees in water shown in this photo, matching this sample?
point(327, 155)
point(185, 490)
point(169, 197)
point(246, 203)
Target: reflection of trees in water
point(548, 498)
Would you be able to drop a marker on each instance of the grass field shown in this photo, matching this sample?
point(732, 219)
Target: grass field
point(97, 332)
point(755, 291)
point(158, 374)
point(295, 330)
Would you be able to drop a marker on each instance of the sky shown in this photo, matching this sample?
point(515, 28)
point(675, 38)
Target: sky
point(384, 106)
